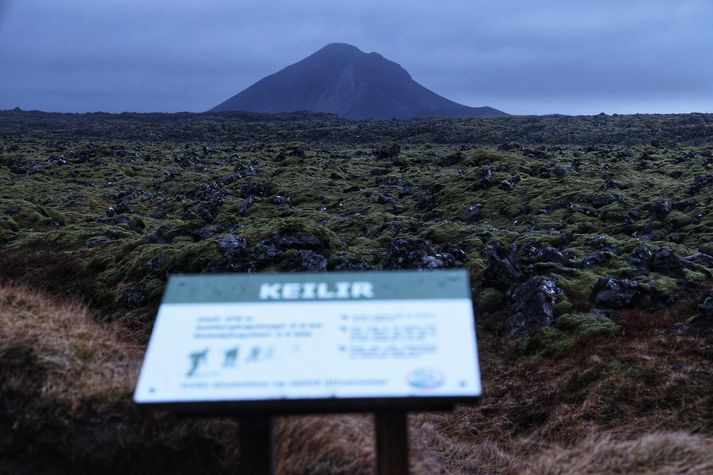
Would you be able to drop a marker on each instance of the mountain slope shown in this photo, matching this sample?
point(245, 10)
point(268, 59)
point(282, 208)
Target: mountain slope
point(342, 80)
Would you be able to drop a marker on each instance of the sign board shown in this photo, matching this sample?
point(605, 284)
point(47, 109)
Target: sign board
point(324, 342)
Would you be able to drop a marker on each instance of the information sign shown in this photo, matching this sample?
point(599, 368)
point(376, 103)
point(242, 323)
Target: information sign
point(312, 342)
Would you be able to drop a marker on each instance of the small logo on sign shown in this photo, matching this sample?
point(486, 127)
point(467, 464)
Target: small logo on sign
point(425, 378)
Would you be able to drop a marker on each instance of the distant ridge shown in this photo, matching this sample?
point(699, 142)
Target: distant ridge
point(342, 80)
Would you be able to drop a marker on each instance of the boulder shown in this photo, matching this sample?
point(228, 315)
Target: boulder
point(390, 150)
point(283, 200)
point(247, 203)
point(417, 253)
point(236, 255)
point(666, 262)
point(699, 258)
point(305, 261)
point(641, 258)
point(700, 182)
point(659, 208)
point(232, 246)
point(533, 300)
point(701, 325)
point(615, 293)
point(451, 159)
point(706, 307)
point(471, 213)
point(132, 295)
point(303, 241)
point(256, 189)
point(593, 259)
point(504, 270)
point(533, 252)
point(264, 254)
point(385, 198)
point(507, 184)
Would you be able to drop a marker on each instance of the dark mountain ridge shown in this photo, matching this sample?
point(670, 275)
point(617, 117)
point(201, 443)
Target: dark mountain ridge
point(343, 80)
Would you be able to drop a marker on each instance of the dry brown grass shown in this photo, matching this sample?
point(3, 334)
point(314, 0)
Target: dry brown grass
point(77, 358)
point(322, 445)
point(623, 405)
point(651, 454)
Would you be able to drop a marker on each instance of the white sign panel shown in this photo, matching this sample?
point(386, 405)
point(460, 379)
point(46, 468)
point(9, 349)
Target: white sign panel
point(258, 337)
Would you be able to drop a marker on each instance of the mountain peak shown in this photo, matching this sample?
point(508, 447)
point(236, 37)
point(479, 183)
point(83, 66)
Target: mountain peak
point(340, 48)
point(343, 80)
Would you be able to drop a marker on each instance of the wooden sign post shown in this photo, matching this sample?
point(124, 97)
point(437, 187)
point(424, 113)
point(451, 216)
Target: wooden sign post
point(255, 346)
point(256, 445)
point(391, 443)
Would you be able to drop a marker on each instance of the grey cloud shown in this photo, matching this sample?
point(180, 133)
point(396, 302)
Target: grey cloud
point(521, 56)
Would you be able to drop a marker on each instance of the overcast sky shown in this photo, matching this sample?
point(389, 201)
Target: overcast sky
point(520, 56)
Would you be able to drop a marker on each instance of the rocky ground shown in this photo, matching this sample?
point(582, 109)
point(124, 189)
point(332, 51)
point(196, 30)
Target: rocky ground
point(588, 241)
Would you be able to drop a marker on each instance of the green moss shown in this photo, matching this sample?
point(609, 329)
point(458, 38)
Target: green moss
point(8, 229)
point(56, 216)
point(694, 276)
point(678, 219)
point(581, 325)
point(562, 307)
point(662, 285)
point(489, 300)
point(580, 285)
point(707, 247)
point(334, 181)
point(548, 342)
point(569, 329)
point(154, 290)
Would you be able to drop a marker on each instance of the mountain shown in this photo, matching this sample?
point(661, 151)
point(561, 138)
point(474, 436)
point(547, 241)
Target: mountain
point(343, 80)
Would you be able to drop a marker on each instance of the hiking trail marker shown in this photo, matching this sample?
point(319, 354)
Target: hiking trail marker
point(254, 346)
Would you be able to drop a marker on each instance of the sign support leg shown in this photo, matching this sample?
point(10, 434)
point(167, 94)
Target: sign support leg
point(255, 435)
point(391, 443)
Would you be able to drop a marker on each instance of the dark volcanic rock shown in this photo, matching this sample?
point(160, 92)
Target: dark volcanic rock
point(388, 151)
point(699, 259)
point(534, 251)
point(202, 234)
point(133, 224)
point(247, 203)
point(132, 295)
point(503, 269)
point(706, 307)
point(507, 185)
point(416, 253)
point(256, 189)
point(613, 293)
point(451, 159)
point(701, 325)
point(430, 195)
point(385, 198)
point(303, 241)
point(665, 261)
point(700, 182)
point(264, 254)
point(232, 246)
point(593, 259)
point(210, 200)
point(299, 252)
point(596, 200)
point(282, 200)
point(236, 255)
point(534, 300)
point(471, 213)
point(659, 208)
point(305, 261)
point(641, 258)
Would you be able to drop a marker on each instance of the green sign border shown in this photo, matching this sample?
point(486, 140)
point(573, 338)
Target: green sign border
point(386, 285)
